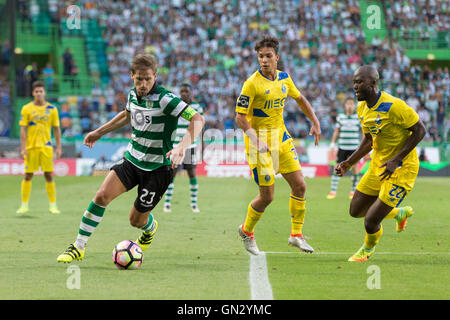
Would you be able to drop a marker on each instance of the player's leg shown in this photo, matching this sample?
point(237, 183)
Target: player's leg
point(374, 230)
point(360, 204)
point(111, 188)
point(355, 180)
point(257, 207)
point(46, 163)
point(262, 171)
point(50, 188)
point(147, 223)
point(169, 194)
point(263, 174)
point(31, 165)
point(366, 193)
point(255, 211)
point(341, 156)
point(297, 210)
point(152, 186)
point(297, 201)
point(291, 170)
point(193, 187)
point(25, 191)
point(394, 191)
point(334, 185)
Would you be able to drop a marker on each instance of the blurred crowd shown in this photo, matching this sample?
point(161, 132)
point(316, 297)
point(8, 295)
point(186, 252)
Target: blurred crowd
point(206, 43)
point(424, 19)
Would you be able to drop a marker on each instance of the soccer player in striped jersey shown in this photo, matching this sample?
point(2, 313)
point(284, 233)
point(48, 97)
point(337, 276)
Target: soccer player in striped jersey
point(190, 161)
point(37, 120)
point(148, 163)
point(392, 129)
point(347, 133)
point(269, 146)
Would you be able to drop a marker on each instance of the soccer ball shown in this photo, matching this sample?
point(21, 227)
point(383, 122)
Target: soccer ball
point(127, 254)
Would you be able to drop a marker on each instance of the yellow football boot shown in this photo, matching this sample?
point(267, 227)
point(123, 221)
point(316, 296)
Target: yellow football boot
point(70, 254)
point(402, 217)
point(146, 238)
point(362, 254)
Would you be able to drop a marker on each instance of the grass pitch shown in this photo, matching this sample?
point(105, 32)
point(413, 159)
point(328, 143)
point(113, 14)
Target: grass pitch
point(199, 256)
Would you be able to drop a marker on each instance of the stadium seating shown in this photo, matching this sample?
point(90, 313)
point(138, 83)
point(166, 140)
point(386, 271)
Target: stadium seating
point(209, 47)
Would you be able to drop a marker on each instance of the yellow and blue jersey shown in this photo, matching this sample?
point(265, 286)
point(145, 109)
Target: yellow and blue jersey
point(387, 122)
point(39, 121)
point(263, 101)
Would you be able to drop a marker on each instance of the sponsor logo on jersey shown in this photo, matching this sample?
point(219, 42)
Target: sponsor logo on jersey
point(243, 101)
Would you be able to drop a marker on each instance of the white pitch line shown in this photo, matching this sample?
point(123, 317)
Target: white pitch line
point(331, 253)
point(260, 288)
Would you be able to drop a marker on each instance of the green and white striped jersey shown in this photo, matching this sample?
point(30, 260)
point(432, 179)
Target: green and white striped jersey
point(153, 120)
point(183, 124)
point(349, 131)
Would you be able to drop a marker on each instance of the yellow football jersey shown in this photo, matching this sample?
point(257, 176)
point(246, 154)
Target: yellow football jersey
point(263, 100)
point(39, 121)
point(387, 122)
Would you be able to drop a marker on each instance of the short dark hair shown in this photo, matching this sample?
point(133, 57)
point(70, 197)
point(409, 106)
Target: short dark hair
point(268, 42)
point(37, 84)
point(185, 84)
point(143, 62)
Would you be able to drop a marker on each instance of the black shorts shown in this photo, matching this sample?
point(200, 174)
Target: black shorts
point(190, 159)
point(343, 155)
point(151, 184)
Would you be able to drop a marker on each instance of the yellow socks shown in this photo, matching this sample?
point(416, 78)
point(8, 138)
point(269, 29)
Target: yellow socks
point(252, 218)
point(25, 191)
point(372, 239)
point(51, 192)
point(393, 213)
point(297, 211)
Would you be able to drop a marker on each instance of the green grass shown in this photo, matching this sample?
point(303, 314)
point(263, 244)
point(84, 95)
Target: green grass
point(199, 256)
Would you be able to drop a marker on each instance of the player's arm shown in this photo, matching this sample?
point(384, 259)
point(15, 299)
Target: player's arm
point(57, 135)
point(176, 155)
point(364, 148)
point(418, 132)
point(334, 138)
point(119, 121)
point(23, 123)
point(243, 105)
point(54, 122)
point(242, 122)
point(307, 109)
point(23, 141)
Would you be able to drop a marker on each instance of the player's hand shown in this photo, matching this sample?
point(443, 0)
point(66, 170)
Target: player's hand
point(262, 146)
point(333, 146)
point(342, 168)
point(58, 153)
point(91, 138)
point(23, 154)
point(390, 167)
point(176, 156)
point(316, 132)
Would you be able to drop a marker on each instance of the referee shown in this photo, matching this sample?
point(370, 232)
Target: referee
point(348, 136)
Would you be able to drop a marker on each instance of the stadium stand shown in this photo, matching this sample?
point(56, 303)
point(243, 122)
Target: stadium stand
point(207, 44)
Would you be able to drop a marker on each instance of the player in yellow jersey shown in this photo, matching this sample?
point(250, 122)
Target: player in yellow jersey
point(392, 129)
point(36, 122)
point(269, 146)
